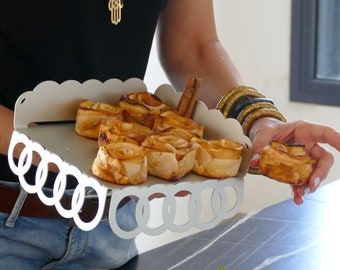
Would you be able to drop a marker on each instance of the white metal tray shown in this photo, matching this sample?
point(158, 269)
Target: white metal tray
point(58, 143)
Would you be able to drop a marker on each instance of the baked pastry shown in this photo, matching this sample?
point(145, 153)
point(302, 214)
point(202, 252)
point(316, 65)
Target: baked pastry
point(90, 115)
point(286, 163)
point(130, 130)
point(142, 107)
point(220, 158)
point(106, 136)
point(120, 163)
point(170, 122)
point(144, 136)
point(168, 156)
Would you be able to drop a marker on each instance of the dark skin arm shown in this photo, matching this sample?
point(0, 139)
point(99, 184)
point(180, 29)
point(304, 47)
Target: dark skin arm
point(189, 45)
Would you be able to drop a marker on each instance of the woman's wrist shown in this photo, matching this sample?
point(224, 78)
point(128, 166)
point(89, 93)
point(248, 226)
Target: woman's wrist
point(247, 105)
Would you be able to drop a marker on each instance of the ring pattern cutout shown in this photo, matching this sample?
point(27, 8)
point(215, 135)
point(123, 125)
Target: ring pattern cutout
point(219, 198)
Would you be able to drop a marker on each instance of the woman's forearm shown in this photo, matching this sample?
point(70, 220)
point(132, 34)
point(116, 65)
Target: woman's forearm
point(189, 46)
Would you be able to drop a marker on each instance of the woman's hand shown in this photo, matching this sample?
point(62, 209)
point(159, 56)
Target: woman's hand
point(310, 134)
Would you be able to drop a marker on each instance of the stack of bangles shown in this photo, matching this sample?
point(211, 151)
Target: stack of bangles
point(246, 105)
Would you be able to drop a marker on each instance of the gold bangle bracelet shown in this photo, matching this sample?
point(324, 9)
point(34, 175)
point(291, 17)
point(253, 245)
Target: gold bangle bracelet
point(253, 107)
point(231, 101)
point(225, 98)
point(263, 112)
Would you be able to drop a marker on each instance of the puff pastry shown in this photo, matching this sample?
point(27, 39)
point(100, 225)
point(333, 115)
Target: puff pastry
point(142, 107)
point(120, 163)
point(217, 158)
point(130, 130)
point(106, 136)
point(168, 156)
point(90, 115)
point(286, 163)
point(170, 122)
point(145, 136)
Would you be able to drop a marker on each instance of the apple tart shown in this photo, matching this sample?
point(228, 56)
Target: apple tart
point(286, 163)
point(123, 128)
point(169, 157)
point(145, 136)
point(142, 107)
point(90, 115)
point(170, 122)
point(106, 136)
point(217, 158)
point(120, 163)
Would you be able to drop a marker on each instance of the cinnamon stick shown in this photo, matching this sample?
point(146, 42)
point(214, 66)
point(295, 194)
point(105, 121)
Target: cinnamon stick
point(189, 97)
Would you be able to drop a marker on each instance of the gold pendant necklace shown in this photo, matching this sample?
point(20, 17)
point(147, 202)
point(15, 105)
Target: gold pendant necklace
point(115, 6)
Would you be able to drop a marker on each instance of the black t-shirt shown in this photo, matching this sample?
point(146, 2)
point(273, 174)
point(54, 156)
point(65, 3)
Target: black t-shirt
point(70, 39)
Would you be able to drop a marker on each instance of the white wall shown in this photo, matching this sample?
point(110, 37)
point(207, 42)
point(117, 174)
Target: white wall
point(257, 36)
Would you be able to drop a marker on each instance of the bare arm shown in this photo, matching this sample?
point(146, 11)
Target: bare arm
point(188, 45)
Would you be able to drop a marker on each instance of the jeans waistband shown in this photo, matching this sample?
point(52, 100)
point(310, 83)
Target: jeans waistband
point(31, 205)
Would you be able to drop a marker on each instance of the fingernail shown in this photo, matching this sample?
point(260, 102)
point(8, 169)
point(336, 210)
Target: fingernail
point(317, 181)
point(307, 190)
point(255, 157)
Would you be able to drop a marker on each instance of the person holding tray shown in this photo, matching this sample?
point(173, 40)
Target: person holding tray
point(81, 40)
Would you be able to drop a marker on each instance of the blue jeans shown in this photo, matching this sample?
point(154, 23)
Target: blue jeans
point(38, 243)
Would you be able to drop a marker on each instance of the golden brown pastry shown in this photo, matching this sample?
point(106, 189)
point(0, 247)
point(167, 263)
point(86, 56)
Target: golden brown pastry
point(130, 130)
point(170, 122)
point(217, 158)
point(120, 163)
point(286, 163)
point(106, 136)
point(90, 115)
point(168, 156)
point(142, 107)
